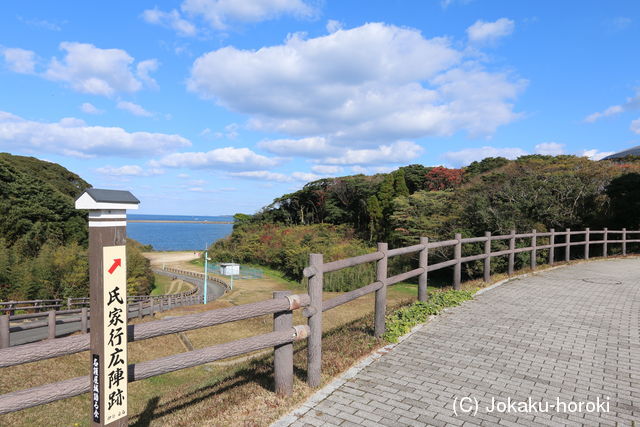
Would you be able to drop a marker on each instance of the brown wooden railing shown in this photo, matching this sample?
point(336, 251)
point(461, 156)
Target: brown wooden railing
point(283, 304)
point(138, 305)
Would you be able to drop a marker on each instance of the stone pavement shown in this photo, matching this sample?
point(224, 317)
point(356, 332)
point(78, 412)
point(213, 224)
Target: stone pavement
point(560, 337)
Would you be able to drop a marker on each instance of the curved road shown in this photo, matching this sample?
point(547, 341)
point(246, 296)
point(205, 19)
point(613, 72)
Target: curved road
point(564, 338)
point(214, 291)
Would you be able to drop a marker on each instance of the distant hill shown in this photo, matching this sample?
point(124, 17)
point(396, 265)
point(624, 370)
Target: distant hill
point(36, 203)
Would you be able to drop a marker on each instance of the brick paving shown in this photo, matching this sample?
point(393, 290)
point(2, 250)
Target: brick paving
point(569, 334)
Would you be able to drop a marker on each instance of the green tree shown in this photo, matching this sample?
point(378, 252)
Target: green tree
point(374, 211)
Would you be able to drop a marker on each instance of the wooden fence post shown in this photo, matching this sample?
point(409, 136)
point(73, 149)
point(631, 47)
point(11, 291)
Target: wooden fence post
point(534, 252)
point(552, 249)
point(84, 320)
point(4, 331)
point(586, 243)
point(512, 255)
point(605, 244)
point(381, 294)
point(423, 263)
point(624, 241)
point(69, 303)
point(567, 248)
point(108, 303)
point(314, 343)
point(140, 309)
point(487, 260)
point(283, 353)
point(457, 267)
point(52, 324)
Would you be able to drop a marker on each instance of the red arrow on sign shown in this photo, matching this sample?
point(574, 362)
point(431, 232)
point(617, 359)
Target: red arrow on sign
point(116, 263)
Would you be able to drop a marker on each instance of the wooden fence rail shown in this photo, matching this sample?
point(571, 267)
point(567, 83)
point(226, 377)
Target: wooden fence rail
point(137, 305)
point(283, 304)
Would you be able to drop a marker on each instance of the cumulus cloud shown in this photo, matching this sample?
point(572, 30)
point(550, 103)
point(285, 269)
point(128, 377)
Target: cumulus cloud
point(594, 154)
point(129, 170)
point(363, 87)
point(550, 148)
point(333, 25)
point(19, 60)
point(635, 126)
point(398, 152)
point(89, 108)
point(217, 13)
point(227, 158)
point(135, 109)
point(263, 176)
point(632, 103)
point(89, 69)
point(304, 147)
point(172, 20)
point(326, 169)
point(489, 32)
point(468, 155)
point(72, 137)
point(144, 68)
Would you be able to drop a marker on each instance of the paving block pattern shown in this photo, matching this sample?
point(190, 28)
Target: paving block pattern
point(564, 337)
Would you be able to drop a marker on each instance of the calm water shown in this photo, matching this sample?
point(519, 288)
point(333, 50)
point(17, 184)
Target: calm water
point(177, 236)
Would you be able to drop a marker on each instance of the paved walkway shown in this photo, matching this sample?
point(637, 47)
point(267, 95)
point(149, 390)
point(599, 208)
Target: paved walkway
point(560, 337)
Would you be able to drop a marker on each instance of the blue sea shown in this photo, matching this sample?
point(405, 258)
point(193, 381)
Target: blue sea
point(178, 236)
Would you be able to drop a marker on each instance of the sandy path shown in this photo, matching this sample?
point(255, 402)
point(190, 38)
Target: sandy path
point(158, 258)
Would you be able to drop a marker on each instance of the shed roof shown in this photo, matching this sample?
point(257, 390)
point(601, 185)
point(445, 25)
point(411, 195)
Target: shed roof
point(111, 196)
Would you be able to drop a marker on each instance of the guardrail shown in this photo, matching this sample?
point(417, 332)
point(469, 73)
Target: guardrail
point(283, 304)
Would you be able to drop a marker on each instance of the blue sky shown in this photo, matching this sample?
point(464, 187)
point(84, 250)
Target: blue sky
point(212, 107)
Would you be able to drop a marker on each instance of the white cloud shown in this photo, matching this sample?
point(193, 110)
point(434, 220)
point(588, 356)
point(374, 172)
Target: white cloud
point(89, 108)
point(41, 23)
point(488, 32)
point(20, 60)
point(144, 68)
point(228, 158)
point(468, 155)
point(594, 154)
point(631, 103)
point(217, 13)
point(326, 169)
point(129, 170)
point(72, 137)
point(89, 69)
point(263, 175)
point(305, 147)
point(305, 176)
point(362, 87)
point(549, 148)
point(398, 152)
point(171, 20)
point(611, 111)
point(134, 109)
point(333, 25)
point(635, 126)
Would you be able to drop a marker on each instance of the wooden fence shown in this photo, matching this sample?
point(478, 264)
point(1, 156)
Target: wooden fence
point(283, 303)
point(137, 306)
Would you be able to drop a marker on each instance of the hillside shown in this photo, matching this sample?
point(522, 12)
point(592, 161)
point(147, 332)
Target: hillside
point(43, 238)
point(494, 194)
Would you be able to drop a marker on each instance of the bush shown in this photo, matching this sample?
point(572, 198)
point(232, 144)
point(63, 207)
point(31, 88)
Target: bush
point(401, 321)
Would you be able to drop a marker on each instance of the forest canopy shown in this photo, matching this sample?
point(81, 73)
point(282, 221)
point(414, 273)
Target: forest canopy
point(494, 194)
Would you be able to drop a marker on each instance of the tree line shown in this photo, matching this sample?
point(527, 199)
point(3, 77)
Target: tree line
point(494, 194)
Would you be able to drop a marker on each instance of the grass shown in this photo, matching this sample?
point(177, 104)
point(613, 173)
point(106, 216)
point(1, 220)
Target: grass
point(231, 392)
point(165, 285)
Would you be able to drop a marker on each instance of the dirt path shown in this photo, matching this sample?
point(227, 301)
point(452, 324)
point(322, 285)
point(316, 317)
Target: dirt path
point(159, 258)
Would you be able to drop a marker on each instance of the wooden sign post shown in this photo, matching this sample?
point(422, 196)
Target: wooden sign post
point(108, 299)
